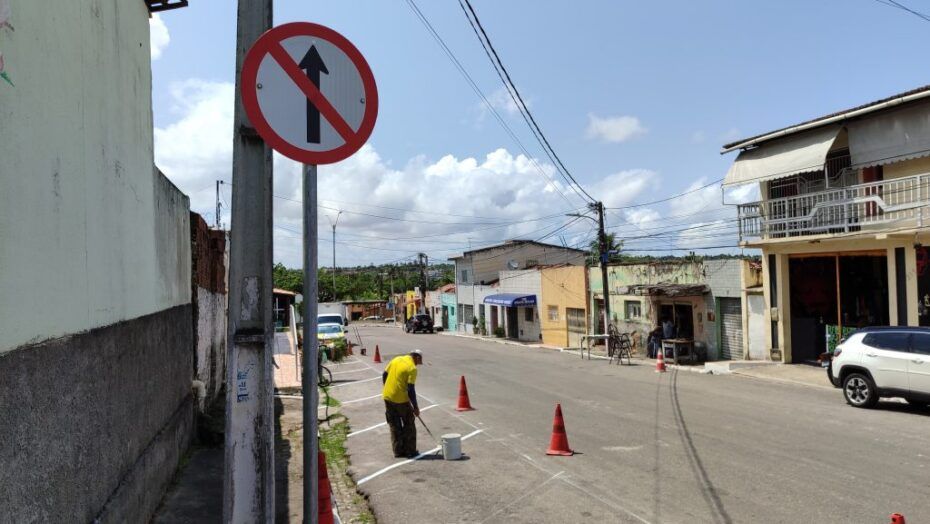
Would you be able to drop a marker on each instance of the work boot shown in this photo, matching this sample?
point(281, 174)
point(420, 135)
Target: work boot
point(413, 454)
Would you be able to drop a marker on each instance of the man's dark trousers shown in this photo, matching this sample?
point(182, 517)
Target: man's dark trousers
point(400, 418)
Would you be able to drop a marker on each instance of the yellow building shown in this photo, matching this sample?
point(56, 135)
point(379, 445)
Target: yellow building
point(842, 222)
point(563, 305)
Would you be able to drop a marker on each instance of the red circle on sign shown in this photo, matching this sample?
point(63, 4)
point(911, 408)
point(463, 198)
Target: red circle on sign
point(248, 90)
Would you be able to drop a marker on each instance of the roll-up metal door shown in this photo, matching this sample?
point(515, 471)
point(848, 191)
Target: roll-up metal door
point(731, 328)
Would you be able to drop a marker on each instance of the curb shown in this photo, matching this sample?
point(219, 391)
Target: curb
point(500, 341)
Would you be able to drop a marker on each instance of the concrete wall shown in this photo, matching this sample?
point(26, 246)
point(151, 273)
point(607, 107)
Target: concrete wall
point(96, 330)
point(562, 287)
point(527, 282)
point(78, 241)
point(208, 267)
point(755, 334)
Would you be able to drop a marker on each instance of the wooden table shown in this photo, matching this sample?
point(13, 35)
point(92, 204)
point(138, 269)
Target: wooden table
point(675, 344)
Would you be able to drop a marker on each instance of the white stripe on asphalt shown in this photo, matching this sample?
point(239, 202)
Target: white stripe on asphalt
point(408, 461)
point(349, 371)
point(376, 426)
point(361, 399)
point(355, 382)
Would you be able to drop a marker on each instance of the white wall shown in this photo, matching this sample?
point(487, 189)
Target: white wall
point(756, 336)
point(80, 245)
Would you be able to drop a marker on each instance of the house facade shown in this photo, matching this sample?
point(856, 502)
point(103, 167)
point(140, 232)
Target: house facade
point(563, 310)
point(706, 300)
point(842, 215)
point(477, 271)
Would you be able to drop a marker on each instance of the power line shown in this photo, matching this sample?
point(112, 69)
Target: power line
point(448, 52)
point(514, 93)
point(673, 197)
point(898, 5)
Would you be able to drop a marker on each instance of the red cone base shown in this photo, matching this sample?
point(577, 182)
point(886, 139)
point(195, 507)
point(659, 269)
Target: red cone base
point(558, 444)
point(377, 359)
point(897, 518)
point(464, 403)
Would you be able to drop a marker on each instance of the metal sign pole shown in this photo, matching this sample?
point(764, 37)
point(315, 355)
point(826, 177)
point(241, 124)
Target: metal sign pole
point(311, 347)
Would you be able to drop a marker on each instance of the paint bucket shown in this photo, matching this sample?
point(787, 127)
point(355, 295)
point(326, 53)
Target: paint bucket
point(452, 446)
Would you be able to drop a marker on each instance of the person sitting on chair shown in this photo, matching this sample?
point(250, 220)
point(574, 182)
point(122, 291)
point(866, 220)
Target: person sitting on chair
point(654, 342)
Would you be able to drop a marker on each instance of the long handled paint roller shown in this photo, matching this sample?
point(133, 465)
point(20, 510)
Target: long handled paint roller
point(439, 444)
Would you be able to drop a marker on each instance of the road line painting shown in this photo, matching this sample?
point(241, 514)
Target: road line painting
point(408, 461)
point(360, 399)
point(369, 428)
point(522, 497)
point(355, 382)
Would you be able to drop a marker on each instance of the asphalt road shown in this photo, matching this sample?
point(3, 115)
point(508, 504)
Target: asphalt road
point(675, 447)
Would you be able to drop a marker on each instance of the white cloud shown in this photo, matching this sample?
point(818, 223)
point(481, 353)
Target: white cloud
point(698, 137)
point(614, 129)
point(196, 150)
point(502, 102)
point(158, 36)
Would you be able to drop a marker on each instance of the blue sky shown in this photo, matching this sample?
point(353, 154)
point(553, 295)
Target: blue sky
point(636, 97)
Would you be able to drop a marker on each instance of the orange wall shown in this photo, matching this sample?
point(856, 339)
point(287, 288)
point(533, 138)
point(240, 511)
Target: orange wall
point(563, 287)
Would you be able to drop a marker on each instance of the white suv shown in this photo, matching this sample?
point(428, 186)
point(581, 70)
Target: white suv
point(883, 362)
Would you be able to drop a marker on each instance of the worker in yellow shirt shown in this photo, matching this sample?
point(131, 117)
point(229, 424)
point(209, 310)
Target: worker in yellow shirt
point(400, 402)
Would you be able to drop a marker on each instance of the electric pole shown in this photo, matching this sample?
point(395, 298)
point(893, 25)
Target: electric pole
point(423, 260)
point(603, 252)
point(248, 484)
point(333, 223)
point(604, 257)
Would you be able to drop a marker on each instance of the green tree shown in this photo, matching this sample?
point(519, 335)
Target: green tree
point(613, 244)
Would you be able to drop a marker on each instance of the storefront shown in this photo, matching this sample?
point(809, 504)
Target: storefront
point(517, 315)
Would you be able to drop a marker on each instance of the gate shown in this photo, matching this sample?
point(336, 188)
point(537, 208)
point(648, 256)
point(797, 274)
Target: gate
point(731, 328)
point(577, 327)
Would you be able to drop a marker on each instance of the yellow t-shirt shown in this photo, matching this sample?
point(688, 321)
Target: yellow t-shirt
point(401, 372)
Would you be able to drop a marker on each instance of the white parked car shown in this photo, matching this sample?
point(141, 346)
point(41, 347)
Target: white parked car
point(883, 362)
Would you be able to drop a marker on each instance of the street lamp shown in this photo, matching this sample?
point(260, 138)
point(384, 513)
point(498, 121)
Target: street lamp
point(333, 223)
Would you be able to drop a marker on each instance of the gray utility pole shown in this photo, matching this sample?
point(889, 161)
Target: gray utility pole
point(602, 242)
point(423, 260)
point(248, 483)
point(603, 254)
point(309, 378)
point(334, 223)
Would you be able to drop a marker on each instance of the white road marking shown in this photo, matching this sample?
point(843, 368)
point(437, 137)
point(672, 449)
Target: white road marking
point(408, 461)
point(521, 497)
point(295, 397)
point(360, 399)
point(376, 426)
point(355, 382)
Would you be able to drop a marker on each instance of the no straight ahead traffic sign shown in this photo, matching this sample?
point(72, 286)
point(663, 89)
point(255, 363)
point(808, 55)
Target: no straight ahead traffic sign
point(309, 93)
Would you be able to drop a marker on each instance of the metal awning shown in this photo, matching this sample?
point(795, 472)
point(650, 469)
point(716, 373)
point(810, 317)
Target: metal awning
point(900, 134)
point(511, 300)
point(783, 157)
point(665, 290)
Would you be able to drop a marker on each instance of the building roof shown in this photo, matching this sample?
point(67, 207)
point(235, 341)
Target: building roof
point(515, 243)
point(278, 291)
point(839, 116)
point(448, 288)
point(665, 290)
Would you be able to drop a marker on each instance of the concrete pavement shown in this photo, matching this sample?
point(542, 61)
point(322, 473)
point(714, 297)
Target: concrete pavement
point(675, 447)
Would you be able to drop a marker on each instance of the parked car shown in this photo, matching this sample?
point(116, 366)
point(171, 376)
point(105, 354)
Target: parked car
point(372, 318)
point(879, 362)
point(329, 333)
point(419, 323)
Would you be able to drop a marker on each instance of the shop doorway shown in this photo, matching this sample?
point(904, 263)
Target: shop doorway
point(831, 296)
point(513, 331)
point(682, 315)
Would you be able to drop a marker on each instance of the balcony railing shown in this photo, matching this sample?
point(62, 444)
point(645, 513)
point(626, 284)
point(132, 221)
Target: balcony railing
point(873, 206)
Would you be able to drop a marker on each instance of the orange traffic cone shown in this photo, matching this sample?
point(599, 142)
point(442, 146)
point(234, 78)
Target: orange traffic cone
point(558, 444)
point(660, 361)
point(377, 359)
point(464, 403)
point(897, 518)
point(324, 493)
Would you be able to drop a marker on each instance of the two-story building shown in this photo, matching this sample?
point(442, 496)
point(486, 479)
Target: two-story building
point(478, 271)
point(841, 222)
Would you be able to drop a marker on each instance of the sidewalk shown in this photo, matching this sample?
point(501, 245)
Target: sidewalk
point(507, 341)
point(799, 374)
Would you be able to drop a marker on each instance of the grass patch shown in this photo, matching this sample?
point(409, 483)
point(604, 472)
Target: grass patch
point(330, 401)
point(333, 443)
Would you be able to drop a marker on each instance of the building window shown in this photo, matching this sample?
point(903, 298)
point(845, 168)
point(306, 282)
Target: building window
point(553, 313)
point(464, 276)
point(633, 309)
point(468, 313)
point(528, 315)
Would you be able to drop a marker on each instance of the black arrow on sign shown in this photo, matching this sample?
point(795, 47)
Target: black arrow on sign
point(313, 64)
